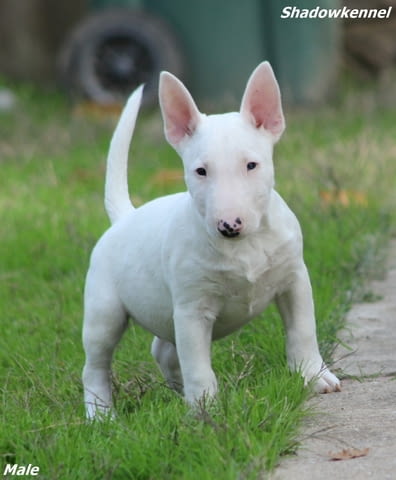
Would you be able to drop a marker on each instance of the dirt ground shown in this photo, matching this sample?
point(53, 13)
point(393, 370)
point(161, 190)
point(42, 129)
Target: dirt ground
point(358, 425)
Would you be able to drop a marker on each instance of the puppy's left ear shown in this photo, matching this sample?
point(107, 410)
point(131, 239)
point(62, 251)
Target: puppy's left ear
point(261, 102)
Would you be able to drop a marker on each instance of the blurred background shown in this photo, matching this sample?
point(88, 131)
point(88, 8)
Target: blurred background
point(99, 50)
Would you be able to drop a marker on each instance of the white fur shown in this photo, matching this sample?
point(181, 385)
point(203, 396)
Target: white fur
point(196, 266)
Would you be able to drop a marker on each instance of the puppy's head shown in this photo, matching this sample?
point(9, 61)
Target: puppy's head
point(227, 158)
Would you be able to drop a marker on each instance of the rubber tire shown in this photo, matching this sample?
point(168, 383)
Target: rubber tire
point(79, 62)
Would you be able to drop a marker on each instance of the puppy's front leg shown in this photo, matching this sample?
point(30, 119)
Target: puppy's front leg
point(297, 310)
point(193, 330)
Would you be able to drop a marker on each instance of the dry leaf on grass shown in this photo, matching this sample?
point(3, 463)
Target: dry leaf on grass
point(96, 110)
point(345, 198)
point(348, 454)
point(167, 176)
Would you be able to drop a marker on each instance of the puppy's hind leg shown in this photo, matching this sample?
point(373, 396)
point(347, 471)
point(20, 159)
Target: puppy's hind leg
point(165, 354)
point(105, 321)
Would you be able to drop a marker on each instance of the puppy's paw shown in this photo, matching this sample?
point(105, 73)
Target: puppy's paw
point(326, 382)
point(320, 377)
point(94, 412)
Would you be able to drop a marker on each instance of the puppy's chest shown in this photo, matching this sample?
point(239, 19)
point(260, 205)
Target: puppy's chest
point(249, 284)
point(252, 288)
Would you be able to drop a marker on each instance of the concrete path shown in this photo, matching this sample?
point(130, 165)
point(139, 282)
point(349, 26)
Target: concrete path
point(360, 421)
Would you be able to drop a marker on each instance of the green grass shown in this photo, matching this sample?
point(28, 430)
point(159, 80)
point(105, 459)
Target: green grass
point(51, 183)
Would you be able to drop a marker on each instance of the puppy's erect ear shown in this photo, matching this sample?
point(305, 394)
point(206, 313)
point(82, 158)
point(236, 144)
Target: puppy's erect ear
point(261, 102)
point(179, 112)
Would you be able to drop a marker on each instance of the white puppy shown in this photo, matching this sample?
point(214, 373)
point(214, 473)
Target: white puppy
point(196, 266)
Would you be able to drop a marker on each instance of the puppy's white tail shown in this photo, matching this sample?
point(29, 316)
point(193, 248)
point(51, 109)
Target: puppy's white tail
point(117, 200)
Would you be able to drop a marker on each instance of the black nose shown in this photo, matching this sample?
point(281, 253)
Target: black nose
point(228, 230)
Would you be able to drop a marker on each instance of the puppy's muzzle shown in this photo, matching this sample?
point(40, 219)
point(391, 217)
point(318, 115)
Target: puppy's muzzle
point(230, 229)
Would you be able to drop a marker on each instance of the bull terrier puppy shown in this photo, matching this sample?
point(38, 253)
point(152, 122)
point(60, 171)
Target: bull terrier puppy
point(196, 266)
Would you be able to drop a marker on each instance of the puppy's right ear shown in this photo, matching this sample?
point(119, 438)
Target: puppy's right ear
point(179, 112)
point(261, 103)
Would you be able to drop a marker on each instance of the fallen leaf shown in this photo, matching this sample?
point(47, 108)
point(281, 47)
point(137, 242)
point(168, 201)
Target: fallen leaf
point(97, 110)
point(348, 454)
point(167, 176)
point(343, 197)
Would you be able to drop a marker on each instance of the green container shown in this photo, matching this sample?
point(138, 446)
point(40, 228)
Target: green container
point(97, 4)
point(304, 52)
point(224, 40)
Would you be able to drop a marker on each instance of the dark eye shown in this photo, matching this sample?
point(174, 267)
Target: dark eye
point(201, 171)
point(251, 165)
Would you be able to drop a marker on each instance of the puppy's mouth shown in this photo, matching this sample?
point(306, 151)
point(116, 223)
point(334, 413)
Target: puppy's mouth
point(229, 234)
